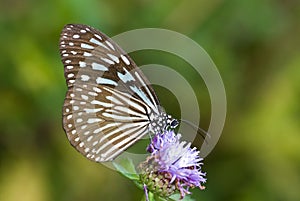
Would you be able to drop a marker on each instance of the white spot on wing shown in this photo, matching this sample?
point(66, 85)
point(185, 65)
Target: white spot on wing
point(114, 58)
point(126, 77)
point(85, 77)
point(98, 36)
point(92, 110)
point(113, 99)
point(126, 61)
point(101, 80)
point(87, 54)
point(70, 75)
point(96, 89)
point(96, 102)
point(95, 41)
point(84, 97)
point(92, 93)
point(118, 117)
point(100, 67)
point(89, 139)
point(141, 94)
point(93, 120)
point(82, 64)
point(110, 45)
point(108, 61)
point(76, 36)
point(151, 104)
point(86, 46)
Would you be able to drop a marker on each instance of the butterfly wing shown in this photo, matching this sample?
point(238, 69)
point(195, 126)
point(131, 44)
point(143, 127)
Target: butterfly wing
point(109, 100)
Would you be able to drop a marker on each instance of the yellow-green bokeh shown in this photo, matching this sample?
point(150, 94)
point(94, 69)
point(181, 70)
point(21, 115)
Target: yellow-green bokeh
point(255, 45)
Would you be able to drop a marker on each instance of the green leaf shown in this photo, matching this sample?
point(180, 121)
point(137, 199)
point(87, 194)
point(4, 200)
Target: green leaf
point(138, 184)
point(158, 198)
point(177, 197)
point(151, 197)
point(126, 167)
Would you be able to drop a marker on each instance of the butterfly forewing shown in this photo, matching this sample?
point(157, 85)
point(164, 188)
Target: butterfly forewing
point(109, 100)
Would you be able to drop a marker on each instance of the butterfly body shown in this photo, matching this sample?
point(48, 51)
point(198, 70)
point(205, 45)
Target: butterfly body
point(109, 104)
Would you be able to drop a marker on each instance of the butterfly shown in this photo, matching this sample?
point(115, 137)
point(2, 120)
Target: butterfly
point(109, 104)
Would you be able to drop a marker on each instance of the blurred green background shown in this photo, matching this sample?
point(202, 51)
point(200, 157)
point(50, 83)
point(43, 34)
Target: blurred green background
point(255, 45)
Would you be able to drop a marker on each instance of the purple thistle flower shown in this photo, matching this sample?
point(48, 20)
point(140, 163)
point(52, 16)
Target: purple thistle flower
point(175, 163)
point(162, 140)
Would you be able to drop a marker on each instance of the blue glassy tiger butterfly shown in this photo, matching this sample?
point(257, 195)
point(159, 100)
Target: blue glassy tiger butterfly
point(109, 104)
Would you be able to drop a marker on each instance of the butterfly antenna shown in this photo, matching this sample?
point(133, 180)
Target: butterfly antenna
point(199, 130)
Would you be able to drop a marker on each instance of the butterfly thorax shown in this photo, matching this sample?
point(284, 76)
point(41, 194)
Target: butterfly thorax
point(161, 122)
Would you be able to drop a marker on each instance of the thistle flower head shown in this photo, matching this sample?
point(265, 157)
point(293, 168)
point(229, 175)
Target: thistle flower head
point(172, 166)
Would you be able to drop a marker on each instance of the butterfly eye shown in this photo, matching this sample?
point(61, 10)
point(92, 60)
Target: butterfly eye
point(174, 123)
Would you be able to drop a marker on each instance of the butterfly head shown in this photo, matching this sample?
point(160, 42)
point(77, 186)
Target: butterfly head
point(171, 122)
